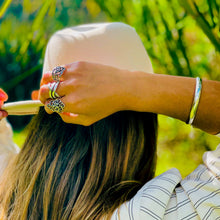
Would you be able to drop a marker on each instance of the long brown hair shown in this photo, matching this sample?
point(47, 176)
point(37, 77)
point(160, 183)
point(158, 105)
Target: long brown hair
point(66, 171)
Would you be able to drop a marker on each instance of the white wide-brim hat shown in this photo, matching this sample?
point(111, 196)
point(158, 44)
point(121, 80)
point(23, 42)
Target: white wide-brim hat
point(114, 44)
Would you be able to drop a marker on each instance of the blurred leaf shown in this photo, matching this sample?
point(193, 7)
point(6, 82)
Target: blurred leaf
point(31, 6)
point(18, 79)
point(27, 6)
point(41, 14)
point(52, 9)
point(93, 8)
point(37, 23)
point(4, 7)
point(191, 8)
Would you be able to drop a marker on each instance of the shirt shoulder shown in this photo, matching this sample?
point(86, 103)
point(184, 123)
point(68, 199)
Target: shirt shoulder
point(167, 196)
point(151, 200)
point(202, 186)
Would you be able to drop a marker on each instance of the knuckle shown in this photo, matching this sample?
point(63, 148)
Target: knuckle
point(43, 90)
point(71, 84)
point(46, 77)
point(80, 64)
point(73, 103)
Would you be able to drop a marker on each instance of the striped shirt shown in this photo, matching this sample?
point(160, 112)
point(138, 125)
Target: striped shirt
point(169, 197)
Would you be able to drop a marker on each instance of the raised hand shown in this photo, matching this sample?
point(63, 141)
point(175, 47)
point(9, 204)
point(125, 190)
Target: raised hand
point(89, 92)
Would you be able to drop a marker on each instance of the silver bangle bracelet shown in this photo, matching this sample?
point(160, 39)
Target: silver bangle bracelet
point(196, 100)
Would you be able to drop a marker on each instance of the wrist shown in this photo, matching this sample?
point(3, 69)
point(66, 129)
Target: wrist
point(160, 94)
point(138, 91)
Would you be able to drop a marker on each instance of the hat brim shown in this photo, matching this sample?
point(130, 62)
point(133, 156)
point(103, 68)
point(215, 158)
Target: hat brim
point(30, 107)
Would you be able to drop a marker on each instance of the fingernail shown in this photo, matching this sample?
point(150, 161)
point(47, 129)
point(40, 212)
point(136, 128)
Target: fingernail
point(70, 114)
point(66, 113)
point(3, 114)
point(3, 95)
point(45, 78)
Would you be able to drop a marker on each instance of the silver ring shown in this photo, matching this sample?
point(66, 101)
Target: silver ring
point(57, 72)
point(56, 105)
point(54, 93)
point(52, 90)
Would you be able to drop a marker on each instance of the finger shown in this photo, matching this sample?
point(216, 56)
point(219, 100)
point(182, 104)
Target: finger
point(49, 111)
point(44, 94)
point(35, 95)
point(60, 105)
point(72, 118)
point(3, 96)
point(3, 114)
point(72, 104)
point(54, 105)
point(48, 76)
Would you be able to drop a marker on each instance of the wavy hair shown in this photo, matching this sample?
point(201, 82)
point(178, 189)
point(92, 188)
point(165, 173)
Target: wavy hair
point(66, 171)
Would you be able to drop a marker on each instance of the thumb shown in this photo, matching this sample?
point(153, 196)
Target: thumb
point(3, 97)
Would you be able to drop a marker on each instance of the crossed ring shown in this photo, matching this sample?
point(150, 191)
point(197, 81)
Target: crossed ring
point(52, 90)
point(57, 72)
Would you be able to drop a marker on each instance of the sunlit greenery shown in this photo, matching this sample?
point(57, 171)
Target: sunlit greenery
point(181, 37)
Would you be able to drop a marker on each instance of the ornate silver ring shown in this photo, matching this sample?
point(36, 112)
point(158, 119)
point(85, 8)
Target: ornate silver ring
point(56, 105)
point(57, 72)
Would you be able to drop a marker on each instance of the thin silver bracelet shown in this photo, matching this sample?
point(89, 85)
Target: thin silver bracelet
point(196, 100)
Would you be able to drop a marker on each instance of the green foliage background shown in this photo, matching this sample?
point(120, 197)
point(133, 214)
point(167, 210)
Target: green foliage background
point(181, 37)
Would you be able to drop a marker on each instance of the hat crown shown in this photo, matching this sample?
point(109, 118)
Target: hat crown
point(115, 44)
